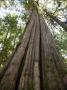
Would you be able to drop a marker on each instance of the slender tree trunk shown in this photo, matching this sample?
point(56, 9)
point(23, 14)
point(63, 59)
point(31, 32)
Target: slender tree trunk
point(36, 64)
point(54, 18)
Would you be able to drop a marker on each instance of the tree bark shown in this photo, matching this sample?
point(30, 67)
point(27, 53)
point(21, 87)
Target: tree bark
point(52, 64)
point(36, 64)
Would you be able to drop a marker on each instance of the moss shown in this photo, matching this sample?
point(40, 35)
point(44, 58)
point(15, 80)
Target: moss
point(31, 85)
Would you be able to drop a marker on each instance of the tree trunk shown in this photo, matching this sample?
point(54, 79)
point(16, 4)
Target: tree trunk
point(52, 64)
point(54, 18)
point(36, 64)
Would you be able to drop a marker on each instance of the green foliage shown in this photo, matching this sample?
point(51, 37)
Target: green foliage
point(10, 32)
point(9, 37)
point(30, 4)
point(6, 3)
point(61, 41)
point(12, 21)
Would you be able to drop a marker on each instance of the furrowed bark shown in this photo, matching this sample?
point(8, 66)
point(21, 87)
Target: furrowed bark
point(12, 72)
point(36, 64)
point(51, 78)
point(2, 72)
point(36, 55)
point(24, 80)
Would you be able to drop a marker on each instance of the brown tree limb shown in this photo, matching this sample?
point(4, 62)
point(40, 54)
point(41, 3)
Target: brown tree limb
point(54, 18)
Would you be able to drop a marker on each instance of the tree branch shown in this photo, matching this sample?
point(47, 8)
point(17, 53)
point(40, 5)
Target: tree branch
point(62, 24)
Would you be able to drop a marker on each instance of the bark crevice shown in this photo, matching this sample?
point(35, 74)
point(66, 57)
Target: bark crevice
point(36, 64)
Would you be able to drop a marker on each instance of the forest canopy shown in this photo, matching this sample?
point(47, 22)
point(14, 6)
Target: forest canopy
point(33, 45)
point(14, 15)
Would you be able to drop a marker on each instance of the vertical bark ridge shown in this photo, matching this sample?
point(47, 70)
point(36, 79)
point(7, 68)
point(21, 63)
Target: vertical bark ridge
point(22, 63)
point(11, 73)
point(31, 80)
point(11, 56)
point(51, 79)
point(24, 80)
point(40, 61)
point(58, 60)
point(36, 64)
point(36, 56)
